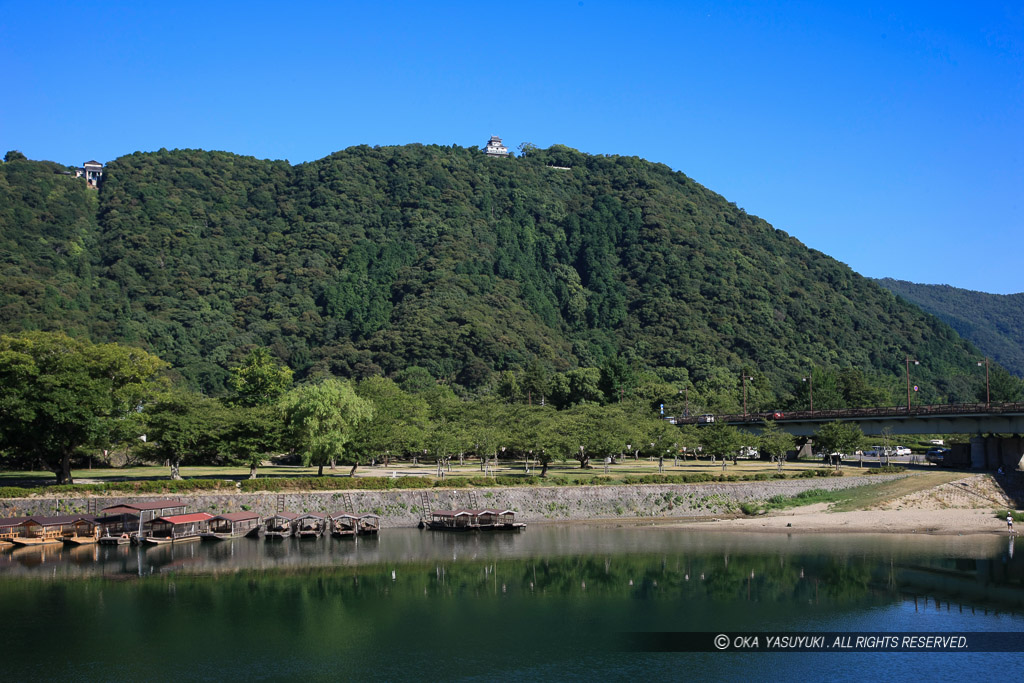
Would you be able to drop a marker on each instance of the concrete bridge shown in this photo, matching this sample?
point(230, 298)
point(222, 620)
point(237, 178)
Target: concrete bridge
point(954, 418)
point(983, 421)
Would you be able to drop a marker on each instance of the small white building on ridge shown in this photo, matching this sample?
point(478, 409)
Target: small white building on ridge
point(92, 171)
point(495, 148)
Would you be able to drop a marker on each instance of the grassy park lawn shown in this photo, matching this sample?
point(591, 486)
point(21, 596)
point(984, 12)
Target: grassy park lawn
point(565, 471)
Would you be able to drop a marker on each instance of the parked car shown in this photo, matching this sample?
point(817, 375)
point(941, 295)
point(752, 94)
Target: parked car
point(706, 419)
point(902, 450)
point(936, 455)
point(874, 452)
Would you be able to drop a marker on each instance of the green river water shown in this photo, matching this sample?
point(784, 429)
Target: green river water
point(552, 603)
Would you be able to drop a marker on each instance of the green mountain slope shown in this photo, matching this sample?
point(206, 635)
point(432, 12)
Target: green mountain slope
point(993, 322)
point(377, 259)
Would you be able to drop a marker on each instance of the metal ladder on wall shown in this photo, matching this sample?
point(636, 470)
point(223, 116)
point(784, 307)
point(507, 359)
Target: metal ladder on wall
point(346, 500)
point(473, 504)
point(280, 502)
point(428, 509)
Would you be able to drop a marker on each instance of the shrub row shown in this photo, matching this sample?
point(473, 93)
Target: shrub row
point(115, 487)
point(887, 469)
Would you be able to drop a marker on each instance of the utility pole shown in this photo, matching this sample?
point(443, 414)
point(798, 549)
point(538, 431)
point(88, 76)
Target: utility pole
point(810, 388)
point(909, 361)
point(745, 378)
point(988, 394)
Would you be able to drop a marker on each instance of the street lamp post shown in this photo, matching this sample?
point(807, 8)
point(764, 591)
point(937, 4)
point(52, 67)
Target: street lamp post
point(810, 388)
point(909, 361)
point(745, 378)
point(988, 394)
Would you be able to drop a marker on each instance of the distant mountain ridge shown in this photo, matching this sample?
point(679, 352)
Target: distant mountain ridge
point(992, 322)
point(382, 260)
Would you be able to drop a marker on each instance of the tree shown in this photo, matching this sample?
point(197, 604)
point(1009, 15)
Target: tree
point(253, 432)
point(589, 430)
point(14, 155)
point(536, 382)
point(617, 378)
point(59, 395)
point(839, 437)
point(719, 440)
point(526, 147)
point(259, 380)
point(775, 442)
point(399, 423)
point(1003, 387)
point(508, 387)
point(322, 419)
point(182, 426)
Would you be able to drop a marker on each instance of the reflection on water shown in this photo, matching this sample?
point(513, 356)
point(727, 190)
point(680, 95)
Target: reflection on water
point(539, 604)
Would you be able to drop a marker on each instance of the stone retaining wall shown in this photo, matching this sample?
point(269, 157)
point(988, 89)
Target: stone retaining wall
point(533, 503)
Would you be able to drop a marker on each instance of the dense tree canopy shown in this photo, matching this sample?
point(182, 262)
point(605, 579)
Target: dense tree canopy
point(59, 395)
point(615, 279)
point(993, 322)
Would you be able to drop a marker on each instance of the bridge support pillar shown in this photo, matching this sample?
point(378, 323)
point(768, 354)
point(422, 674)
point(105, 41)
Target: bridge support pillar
point(978, 452)
point(1011, 456)
point(992, 452)
point(804, 448)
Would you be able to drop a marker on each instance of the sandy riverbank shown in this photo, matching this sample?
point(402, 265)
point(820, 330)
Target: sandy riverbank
point(964, 506)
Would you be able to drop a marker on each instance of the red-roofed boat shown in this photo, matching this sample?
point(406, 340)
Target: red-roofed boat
point(177, 528)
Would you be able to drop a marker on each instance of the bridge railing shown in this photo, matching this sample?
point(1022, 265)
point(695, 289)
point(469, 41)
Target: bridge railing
point(852, 413)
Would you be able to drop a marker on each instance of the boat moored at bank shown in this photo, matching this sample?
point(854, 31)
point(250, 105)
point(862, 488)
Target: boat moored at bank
point(177, 528)
point(233, 525)
point(354, 524)
point(487, 519)
point(280, 525)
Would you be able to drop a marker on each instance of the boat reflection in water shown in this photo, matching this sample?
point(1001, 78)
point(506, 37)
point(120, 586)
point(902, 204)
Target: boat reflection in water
point(410, 588)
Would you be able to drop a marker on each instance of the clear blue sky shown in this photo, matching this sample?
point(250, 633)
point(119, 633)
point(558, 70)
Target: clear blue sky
point(889, 135)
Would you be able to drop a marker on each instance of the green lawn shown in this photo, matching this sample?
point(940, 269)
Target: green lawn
point(567, 471)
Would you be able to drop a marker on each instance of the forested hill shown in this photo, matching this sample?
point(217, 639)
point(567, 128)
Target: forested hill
point(993, 322)
point(375, 260)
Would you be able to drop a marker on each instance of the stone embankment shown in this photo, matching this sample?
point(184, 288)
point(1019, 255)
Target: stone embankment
point(532, 504)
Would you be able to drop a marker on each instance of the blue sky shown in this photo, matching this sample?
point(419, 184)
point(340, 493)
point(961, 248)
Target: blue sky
point(889, 135)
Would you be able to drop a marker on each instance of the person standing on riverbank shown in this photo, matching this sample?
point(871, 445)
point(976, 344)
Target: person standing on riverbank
point(1009, 522)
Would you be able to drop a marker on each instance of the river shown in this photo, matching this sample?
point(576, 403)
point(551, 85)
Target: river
point(553, 603)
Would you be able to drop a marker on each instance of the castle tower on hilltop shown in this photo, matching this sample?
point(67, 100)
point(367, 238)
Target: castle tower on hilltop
point(495, 148)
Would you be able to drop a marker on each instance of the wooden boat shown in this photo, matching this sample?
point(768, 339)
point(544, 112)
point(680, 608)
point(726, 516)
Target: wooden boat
point(474, 520)
point(123, 539)
point(118, 528)
point(354, 524)
point(10, 527)
point(281, 525)
point(232, 525)
point(177, 528)
point(49, 530)
point(85, 532)
point(310, 525)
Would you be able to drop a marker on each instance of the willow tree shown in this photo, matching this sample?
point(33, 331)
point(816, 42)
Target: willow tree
point(323, 419)
point(59, 395)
